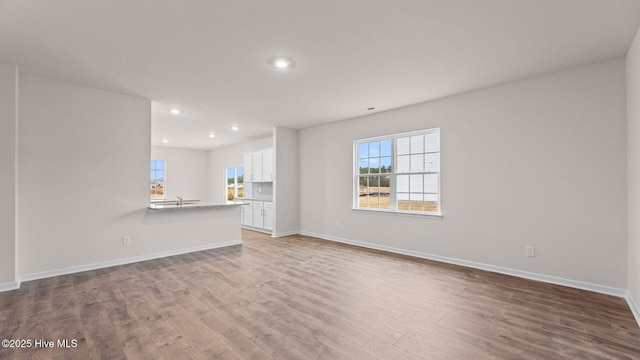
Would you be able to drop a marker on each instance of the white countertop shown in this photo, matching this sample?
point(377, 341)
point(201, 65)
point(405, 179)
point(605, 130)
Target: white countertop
point(196, 205)
point(258, 198)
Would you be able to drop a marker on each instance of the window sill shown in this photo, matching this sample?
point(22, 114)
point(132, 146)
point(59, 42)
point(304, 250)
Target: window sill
point(401, 213)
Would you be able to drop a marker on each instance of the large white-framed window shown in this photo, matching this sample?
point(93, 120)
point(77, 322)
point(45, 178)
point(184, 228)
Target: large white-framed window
point(158, 184)
point(235, 183)
point(398, 173)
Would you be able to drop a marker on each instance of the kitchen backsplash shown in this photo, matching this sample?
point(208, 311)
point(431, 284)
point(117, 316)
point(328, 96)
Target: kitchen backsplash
point(262, 190)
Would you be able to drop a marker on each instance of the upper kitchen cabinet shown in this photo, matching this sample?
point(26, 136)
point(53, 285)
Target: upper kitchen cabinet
point(258, 166)
point(267, 165)
point(247, 162)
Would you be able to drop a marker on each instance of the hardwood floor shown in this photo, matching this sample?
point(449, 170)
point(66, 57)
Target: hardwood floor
point(302, 298)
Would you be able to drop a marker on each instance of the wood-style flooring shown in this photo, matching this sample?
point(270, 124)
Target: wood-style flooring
point(302, 298)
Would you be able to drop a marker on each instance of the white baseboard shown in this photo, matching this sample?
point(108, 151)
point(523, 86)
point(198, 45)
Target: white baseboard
point(105, 264)
point(286, 233)
point(9, 286)
point(471, 264)
point(635, 310)
point(257, 229)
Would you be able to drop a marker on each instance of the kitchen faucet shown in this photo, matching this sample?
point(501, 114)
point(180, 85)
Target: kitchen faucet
point(180, 198)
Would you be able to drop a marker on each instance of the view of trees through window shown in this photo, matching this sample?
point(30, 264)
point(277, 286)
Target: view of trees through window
point(235, 183)
point(157, 180)
point(374, 161)
point(401, 172)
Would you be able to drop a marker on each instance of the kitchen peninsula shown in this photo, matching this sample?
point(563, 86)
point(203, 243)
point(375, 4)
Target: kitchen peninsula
point(197, 225)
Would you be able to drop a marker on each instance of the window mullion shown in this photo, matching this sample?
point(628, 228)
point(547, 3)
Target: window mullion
point(393, 198)
point(235, 184)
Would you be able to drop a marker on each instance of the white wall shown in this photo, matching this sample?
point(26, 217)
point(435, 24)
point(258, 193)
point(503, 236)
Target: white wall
point(186, 172)
point(633, 170)
point(287, 180)
point(539, 162)
point(8, 82)
point(83, 170)
point(84, 183)
point(229, 156)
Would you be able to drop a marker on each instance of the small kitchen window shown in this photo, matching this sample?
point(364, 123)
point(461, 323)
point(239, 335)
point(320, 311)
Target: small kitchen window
point(235, 183)
point(158, 176)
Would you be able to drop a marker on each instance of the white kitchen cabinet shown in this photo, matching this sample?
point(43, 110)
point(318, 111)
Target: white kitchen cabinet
point(247, 161)
point(268, 215)
point(258, 214)
point(267, 165)
point(258, 166)
point(246, 213)
point(258, 188)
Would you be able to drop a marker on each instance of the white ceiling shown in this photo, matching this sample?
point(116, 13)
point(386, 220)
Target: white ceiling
point(210, 57)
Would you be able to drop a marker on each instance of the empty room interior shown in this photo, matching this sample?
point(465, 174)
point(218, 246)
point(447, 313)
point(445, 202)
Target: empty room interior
point(363, 179)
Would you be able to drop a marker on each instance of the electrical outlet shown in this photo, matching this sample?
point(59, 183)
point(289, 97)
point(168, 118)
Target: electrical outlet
point(126, 240)
point(530, 251)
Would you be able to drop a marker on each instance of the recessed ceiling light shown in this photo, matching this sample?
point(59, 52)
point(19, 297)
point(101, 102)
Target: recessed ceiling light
point(165, 140)
point(212, 135)
point(282, 62)
point(235, 128)
point(176, 111)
